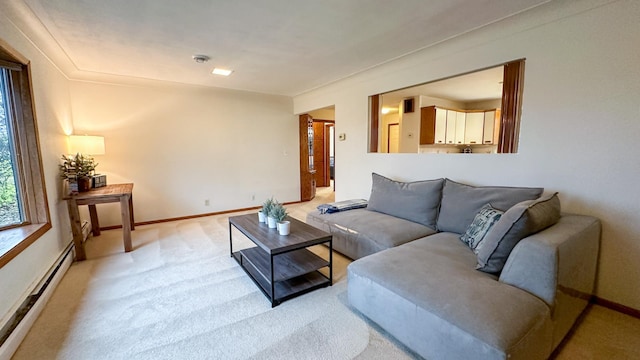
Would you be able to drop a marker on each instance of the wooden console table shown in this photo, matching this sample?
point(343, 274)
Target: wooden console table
point(121, 193)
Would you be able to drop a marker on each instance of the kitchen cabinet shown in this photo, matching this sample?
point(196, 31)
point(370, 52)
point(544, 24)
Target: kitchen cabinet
point(474, 128)
point(433, 125)
point(445, 126)
point(491, 127)
point(461, 123)
point(450, 136)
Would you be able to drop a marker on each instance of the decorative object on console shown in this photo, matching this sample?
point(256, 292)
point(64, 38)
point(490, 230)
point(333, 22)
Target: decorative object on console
point(99, 180)
point(77, 170)
point(87, 146)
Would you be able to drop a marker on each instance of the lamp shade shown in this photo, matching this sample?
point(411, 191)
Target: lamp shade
point(86, 144)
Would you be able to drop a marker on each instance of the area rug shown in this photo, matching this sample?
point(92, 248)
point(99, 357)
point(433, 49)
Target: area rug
point(179, 295)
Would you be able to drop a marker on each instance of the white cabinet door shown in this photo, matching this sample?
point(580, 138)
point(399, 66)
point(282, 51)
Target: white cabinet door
point(451, 126)
point(461, 120)
point(441, 126)
point(491, 127)
point(473, 128)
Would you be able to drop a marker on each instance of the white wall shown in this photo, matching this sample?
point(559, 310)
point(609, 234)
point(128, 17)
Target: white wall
point(181, 145)
point(579, 131)
point(323, 114)
point(52, 110)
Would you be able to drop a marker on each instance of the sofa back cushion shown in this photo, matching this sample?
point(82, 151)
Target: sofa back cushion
point(414, 201)
point(523, 219)
point(460, 202)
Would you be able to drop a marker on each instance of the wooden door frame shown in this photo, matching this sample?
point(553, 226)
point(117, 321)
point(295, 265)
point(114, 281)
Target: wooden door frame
point(326, 152)
point(327, 147)
point(389, 137)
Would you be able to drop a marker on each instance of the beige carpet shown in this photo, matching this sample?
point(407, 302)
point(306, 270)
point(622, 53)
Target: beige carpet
point(179, 295)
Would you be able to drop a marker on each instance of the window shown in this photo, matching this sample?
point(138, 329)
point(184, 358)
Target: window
point(24, 212)
point(10, 209)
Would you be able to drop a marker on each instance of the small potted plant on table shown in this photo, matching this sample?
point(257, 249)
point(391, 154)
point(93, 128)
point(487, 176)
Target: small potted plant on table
point(279, 213)
point(77, 170)
point(266, 209)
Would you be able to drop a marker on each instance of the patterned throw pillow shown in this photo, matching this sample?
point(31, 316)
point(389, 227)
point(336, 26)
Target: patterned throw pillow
point(521, 220)
point(484, 220)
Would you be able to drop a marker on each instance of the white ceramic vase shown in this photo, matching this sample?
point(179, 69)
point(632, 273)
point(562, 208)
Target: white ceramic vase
point(284, 227)
point(272, 222)
point(261, 217)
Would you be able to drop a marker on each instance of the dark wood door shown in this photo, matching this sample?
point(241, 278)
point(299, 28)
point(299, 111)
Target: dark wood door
point(320, 160)
point(307, 172)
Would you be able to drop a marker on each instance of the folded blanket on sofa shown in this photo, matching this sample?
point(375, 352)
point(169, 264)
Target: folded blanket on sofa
point(342, 206)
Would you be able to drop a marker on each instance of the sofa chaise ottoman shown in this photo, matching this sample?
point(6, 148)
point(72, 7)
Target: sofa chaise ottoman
point(492, 273)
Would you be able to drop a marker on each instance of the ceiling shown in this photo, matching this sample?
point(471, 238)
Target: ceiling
point(476, 86)
point(274, 46)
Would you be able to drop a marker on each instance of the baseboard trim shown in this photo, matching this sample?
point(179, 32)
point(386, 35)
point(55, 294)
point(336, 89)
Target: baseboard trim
point(18, 326)
point(192, 216)
point(616, 307)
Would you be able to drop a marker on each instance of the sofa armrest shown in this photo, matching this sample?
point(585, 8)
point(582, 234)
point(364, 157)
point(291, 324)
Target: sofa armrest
point(562, 258)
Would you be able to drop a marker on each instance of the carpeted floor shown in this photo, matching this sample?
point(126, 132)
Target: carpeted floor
point(179, 295)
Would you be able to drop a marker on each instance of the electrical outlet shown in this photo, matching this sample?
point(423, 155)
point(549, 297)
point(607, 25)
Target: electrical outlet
point(206, 202)
point(253, 197)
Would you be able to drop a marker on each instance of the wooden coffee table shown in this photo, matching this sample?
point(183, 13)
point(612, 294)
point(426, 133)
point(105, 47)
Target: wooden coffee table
point(282, 266)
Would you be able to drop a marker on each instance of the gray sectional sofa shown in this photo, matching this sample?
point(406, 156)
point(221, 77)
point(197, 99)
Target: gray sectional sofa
point(461, 272)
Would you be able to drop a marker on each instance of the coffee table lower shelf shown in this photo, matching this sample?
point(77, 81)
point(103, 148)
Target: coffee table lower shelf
point(295, 273)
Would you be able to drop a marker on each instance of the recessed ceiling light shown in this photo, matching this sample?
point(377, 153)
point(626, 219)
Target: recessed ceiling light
point(223, 72)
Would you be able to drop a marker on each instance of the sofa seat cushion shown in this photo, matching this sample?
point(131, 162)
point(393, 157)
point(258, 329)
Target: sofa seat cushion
point(361, 232)
point(428, 295)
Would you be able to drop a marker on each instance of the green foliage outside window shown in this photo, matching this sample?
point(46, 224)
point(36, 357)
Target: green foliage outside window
point(9, 206)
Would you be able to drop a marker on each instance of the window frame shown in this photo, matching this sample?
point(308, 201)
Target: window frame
point(30, 175)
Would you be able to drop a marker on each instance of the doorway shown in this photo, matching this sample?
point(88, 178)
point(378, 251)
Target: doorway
point(323, 158)
point(320, 152)
point(393, 140)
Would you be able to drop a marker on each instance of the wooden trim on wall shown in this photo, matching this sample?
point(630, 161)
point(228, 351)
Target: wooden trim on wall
point(512, 86)
point(375, 123)
point(616, 307)
point(188, 217)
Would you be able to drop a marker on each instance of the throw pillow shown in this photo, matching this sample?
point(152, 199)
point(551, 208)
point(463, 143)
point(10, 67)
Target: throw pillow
point(460, 202)
point(523, 219)
point(414, 201)
point(484, 220)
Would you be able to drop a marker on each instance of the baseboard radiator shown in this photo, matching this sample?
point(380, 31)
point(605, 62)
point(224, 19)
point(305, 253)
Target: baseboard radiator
point(15, 330)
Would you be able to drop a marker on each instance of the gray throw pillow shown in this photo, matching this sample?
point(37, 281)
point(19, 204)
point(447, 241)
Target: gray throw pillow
point(484, 220)
point(522, 220)
point(460, 202)
point(414, 201)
